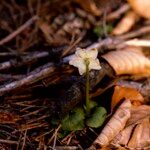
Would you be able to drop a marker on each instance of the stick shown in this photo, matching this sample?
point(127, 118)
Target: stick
point(138, 42)
point(19, 30)
point(34, 76)
point(133, 34)
point(25, 60)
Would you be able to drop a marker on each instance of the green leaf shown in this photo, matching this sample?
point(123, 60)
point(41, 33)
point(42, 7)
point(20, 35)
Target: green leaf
point(99, 30)
point(97, 118)
point(92, 104)
point(74, 121)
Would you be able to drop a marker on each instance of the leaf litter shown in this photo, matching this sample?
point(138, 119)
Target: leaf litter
point(38, 87)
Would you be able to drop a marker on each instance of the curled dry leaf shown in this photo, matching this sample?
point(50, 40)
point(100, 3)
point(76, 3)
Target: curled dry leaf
point(115, 124)
point(128, 61)
point(136, 133)
point(89, 6)
point(141, 7)
point(121, 93)
point(126, 23)
point(138, 114)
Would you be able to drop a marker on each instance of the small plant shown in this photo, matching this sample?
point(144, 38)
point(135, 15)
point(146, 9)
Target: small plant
point(90, 114)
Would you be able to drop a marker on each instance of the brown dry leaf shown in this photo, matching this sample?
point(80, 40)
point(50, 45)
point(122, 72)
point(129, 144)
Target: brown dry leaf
point(126, 23)
point(141, 7)
point(115, 124)
point(136, 135)
point(138, 114)
point(121, 93)
point(89, 6)
point(128, 61)
point(7, 117)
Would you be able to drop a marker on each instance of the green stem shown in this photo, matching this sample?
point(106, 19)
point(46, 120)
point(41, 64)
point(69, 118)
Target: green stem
point(87, 87)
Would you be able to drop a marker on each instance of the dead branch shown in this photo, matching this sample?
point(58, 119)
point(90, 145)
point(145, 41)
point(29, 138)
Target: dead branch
point(34, 76)
point(25, 60)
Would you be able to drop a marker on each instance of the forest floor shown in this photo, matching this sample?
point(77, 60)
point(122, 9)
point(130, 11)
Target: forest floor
point(38, 87)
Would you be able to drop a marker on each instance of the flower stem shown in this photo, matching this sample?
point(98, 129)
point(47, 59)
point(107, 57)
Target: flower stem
point(87, 87)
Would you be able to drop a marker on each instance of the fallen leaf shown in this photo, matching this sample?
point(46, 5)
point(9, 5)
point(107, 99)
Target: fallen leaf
point(128, 61)
point(126, 23)
point(136, 133)
point(138, 114)
point(141, 7)
point(121, 93)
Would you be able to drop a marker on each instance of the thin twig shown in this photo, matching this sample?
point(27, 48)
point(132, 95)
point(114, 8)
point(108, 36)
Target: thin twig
point(138, 42)
point(8, 142)
point(116, 14)
point(24, 140)
point(136, 33)
point(19, 30)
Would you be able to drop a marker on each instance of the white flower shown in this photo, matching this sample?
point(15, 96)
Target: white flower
point(81, 55)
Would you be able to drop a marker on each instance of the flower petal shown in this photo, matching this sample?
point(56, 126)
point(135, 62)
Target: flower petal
point(94, 64)
point(79, 63)
point(92, 53)
point(81, 53)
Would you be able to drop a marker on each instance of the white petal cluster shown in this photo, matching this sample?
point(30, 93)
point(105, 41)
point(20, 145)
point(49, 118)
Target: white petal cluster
point(80, 57)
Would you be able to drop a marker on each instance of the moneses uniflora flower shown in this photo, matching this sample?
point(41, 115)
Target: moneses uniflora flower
point(83, 56)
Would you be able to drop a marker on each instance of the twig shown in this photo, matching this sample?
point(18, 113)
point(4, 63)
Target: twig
point(25, 60)
point(116, 14)
point(108, 42)
point(36, 75)
point(19, 30)
point(8, 142)
point(24, 140)
point(136, 33)
point(66, 51)
point(138, 42)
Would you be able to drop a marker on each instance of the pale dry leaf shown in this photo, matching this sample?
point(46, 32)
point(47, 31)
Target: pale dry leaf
point(138, 114)
point(115, 124)
point(126, 23)
point(121, 93)
point(123, 137)
point(141, 7)
point(134, 142)
point(145, 140)
point(128, 61)
point(136, 134)
point(138, 42)
point(89, 6)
